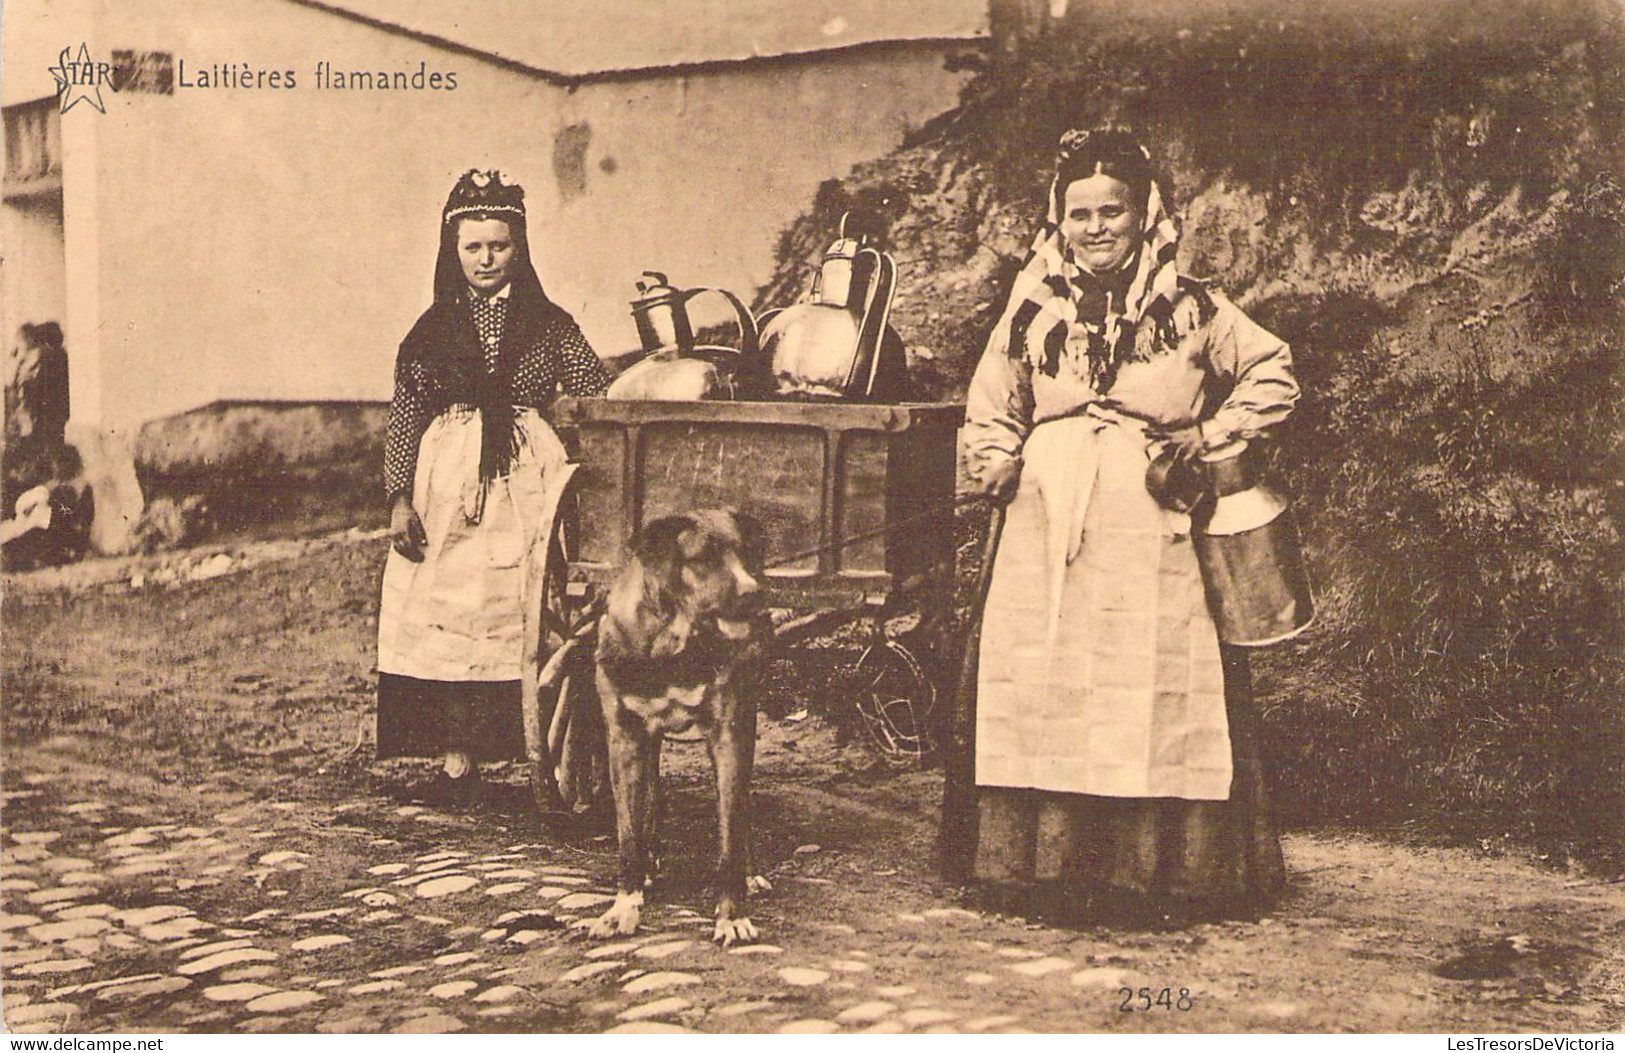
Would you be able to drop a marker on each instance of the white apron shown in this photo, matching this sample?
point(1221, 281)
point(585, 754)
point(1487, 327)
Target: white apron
point(1099, 663)
point(459, 614)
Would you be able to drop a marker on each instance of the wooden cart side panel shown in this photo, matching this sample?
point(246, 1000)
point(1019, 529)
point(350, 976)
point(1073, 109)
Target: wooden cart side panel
point(815, 475)
point(920, 479)
point(861, 510)
point(773, 472)
point(603, 498)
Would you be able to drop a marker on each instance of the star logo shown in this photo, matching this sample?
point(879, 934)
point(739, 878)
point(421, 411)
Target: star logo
point(79, 79)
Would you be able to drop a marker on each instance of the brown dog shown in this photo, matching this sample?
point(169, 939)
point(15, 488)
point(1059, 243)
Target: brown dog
point(678, 644)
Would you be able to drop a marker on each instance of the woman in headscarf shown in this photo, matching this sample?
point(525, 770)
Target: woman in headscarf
point(1116, 749)
point(474, 473)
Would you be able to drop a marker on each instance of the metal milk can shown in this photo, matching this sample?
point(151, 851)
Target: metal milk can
point(1247, 545)
point(674, 367)
point(838, 343)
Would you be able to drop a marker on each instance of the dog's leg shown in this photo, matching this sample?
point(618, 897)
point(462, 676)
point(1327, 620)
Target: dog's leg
point(632, 759)
point(655, 814)
point(733, 754)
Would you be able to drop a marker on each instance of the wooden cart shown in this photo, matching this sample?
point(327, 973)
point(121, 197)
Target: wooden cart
point(857, 505)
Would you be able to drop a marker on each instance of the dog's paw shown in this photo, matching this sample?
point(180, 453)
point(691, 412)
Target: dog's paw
point(757, 883)
point(730, 931)
point(621, 919)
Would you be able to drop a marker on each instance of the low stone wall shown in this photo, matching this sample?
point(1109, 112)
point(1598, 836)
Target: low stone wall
point(231, 469)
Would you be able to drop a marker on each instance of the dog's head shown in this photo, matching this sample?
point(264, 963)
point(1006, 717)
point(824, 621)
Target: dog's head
point(697, 569)
point(687, 572)
point(680, 613)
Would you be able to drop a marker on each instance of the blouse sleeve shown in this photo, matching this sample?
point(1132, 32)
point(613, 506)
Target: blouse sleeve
point(581, 371)
point(1259, 366)
point(409, 417)
point(998, 408)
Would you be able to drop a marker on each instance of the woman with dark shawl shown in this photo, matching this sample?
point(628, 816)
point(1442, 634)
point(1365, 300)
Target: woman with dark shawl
point(1116, 751)
point(474, 472)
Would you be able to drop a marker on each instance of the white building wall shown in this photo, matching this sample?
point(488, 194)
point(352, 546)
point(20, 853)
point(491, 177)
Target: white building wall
point(278, 244)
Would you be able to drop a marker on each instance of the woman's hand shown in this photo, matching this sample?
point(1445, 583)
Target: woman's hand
point(406, 533)
point(1186, 443)
point(1001, 482)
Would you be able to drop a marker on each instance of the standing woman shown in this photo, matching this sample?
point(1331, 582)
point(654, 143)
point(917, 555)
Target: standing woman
point(472, 468)
point(1116, 742)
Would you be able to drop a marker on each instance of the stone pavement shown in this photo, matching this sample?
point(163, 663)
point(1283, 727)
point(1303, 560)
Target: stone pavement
point(285, 916)
point(262, 900)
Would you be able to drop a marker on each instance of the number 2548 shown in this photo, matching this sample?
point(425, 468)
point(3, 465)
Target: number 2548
point(1146, 999)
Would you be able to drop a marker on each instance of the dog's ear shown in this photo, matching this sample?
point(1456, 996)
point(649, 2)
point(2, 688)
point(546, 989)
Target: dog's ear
point(659, 545)
point(659, 551)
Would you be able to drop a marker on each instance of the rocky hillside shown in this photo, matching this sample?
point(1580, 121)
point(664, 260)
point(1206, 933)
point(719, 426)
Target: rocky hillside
point(1368, 149)
point(1426, 200)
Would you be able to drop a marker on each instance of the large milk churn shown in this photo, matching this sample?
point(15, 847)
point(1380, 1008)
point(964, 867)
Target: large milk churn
point(1247, 545)
point(838, 343)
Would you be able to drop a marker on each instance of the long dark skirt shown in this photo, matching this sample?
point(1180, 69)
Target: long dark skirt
point(1213, 856)
point(425, 718)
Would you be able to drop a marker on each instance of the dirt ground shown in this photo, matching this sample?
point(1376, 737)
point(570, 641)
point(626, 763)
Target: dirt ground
point(191, 844)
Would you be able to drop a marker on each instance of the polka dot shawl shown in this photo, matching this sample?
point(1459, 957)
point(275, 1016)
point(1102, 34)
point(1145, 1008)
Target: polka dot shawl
point(426, 385)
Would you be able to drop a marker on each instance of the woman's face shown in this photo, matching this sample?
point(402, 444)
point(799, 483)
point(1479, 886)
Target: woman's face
point(1101, 222)
point(485, 248)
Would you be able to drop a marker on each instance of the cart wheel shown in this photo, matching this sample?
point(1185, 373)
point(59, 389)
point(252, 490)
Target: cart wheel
point(560, 713)
point(577, 748)
point(895, 699)
point(574, 768)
